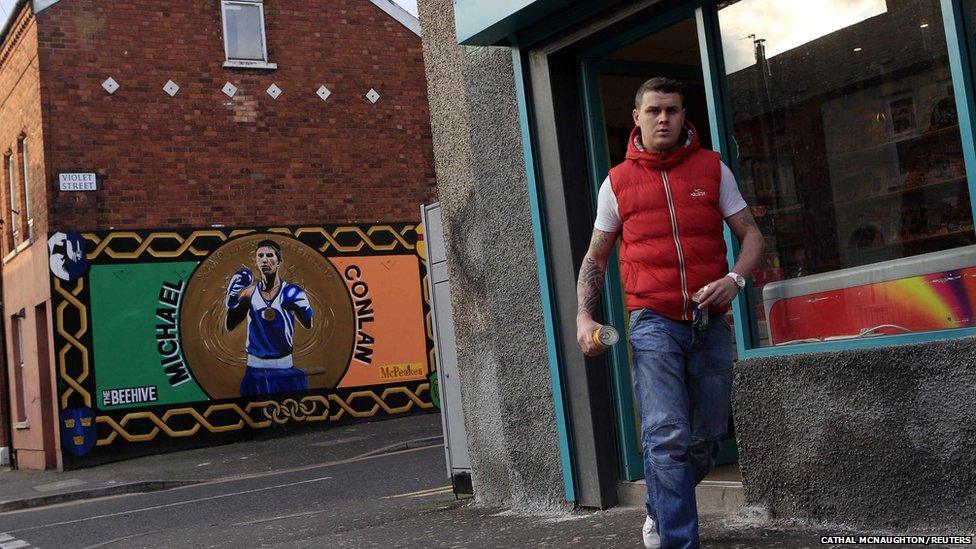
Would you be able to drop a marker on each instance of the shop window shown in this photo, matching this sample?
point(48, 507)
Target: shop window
point(847, 147)
point(10, 170)
point(244, 37)
point(25, 188)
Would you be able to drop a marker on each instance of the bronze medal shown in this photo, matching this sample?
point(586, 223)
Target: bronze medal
point(268, 314)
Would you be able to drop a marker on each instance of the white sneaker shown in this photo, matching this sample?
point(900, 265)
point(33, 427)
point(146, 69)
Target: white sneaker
point(651, 539)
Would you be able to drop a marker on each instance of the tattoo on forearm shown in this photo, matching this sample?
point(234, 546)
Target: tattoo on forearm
point(589, 289)
point(746, 220)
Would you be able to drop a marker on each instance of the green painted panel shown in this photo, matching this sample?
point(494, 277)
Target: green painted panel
point(124, 303)
point(480, 23)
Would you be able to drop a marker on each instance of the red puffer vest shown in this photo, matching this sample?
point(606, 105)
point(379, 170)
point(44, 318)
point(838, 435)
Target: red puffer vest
point(672, 242)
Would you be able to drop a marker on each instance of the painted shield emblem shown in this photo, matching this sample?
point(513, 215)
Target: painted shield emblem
point(66, 254)
point(435, 392)
point(78, 434)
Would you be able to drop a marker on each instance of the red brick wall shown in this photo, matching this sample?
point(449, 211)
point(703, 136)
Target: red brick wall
point(20, 116)
point(201, 158)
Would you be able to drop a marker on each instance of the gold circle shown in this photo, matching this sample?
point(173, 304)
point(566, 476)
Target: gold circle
point(217, 356)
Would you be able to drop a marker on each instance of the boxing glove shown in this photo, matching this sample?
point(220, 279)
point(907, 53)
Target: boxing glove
point(241, 279)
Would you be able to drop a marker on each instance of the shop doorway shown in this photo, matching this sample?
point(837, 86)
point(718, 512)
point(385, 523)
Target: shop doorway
point(610, 74)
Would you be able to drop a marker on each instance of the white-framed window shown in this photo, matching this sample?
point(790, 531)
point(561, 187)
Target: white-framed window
point(244, 37)
point(25, 185)
point(11, 169)
point(20, 404)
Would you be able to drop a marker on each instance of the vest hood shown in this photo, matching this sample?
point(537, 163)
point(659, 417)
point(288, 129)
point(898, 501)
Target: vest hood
point(687, 144)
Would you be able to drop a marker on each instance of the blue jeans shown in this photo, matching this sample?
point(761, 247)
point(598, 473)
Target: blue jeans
point(682, 384)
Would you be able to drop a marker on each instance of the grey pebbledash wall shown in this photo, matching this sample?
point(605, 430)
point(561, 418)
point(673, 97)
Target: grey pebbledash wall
point(501, 343)
point(879, 437)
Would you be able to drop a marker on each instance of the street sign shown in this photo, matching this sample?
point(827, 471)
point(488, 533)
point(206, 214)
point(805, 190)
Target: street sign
point(77, 182)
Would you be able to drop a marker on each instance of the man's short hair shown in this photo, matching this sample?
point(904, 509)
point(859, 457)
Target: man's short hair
point(269, 244)
point(660, 84)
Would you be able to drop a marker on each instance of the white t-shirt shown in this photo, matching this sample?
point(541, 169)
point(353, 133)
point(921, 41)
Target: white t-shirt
point(730, 202)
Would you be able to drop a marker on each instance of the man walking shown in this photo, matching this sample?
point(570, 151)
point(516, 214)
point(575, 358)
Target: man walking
point(667, 202)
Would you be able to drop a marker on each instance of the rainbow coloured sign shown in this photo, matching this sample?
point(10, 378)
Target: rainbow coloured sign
point(934, 301)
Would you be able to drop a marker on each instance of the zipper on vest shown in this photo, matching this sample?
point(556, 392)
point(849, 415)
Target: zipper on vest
point(677, 243)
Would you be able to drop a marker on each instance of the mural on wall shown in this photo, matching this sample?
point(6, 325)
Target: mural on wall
point(166, 338)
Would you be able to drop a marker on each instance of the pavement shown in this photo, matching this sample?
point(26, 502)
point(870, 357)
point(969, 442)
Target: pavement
point(379, 484)
point(461, 524)
point(23, 488)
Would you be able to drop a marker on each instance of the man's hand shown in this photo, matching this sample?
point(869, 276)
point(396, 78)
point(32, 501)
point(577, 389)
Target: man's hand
point(722, 291)
point(718, 294)
point(585, 326)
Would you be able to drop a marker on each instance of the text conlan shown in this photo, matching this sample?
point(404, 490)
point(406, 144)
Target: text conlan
point(363, 304)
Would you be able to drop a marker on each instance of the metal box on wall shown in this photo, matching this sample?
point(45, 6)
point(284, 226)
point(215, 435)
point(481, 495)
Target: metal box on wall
point(449, 382)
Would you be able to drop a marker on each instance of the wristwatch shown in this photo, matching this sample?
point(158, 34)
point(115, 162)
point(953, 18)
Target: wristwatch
point(737, 278)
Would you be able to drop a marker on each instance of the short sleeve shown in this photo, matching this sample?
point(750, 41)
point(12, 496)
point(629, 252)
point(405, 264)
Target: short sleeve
point(729, 198)
point(607, 215)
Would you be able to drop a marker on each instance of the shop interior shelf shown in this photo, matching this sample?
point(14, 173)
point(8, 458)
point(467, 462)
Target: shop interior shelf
point(787, 209)
point(967, 229)
point(900, 191)
point(943, 132)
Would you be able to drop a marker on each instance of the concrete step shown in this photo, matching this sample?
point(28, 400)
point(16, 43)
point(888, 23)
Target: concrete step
point(715, 497)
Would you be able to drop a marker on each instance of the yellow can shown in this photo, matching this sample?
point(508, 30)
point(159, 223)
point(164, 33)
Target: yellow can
point(606, 336)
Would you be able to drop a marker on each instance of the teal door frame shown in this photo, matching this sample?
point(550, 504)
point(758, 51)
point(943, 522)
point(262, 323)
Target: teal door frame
point(593, 64)
point(546, 293)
